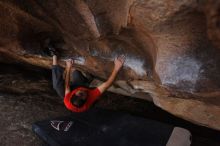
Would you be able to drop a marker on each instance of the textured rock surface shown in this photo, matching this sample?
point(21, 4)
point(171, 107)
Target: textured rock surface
point(172, 47)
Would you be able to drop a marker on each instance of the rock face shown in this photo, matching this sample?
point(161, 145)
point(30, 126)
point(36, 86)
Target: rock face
point(171, 47)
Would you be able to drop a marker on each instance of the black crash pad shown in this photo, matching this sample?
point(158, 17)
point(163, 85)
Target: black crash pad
point(98, 127)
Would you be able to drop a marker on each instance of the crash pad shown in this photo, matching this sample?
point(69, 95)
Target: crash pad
point(98, 127)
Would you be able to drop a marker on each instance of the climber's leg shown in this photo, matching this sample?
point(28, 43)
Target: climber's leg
point(57, 77)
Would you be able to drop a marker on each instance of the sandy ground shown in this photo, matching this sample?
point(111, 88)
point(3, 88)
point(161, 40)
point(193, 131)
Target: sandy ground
point(19, 112)
point(27, 97)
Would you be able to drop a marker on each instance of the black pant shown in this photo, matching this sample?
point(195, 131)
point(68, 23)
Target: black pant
point(79, 80)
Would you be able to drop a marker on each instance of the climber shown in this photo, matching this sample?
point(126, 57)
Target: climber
point(74, 86)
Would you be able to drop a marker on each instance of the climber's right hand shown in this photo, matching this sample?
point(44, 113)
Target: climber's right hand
point(69, 63)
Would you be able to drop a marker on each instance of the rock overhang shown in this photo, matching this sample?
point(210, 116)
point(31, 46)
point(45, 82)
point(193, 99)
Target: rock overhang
point(171, 47)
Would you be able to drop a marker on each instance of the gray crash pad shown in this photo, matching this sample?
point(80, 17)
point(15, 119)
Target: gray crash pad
point(98, 127)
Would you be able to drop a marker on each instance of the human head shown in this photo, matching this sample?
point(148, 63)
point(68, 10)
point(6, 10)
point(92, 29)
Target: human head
point(79, 98)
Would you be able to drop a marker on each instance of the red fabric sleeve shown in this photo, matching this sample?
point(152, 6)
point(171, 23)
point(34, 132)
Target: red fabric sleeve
point(94, 94)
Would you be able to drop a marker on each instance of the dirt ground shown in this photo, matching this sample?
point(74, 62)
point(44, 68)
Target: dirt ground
point(27, 97)
point(19, 112)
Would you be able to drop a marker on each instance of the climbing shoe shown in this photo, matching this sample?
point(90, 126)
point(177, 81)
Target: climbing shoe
point(52, 51)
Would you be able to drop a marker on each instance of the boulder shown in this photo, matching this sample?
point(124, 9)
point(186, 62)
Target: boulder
point(171, 47)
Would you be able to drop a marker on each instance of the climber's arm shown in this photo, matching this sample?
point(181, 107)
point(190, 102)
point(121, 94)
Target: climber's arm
point(69, 64)
point(118, 65)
